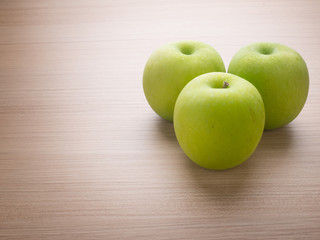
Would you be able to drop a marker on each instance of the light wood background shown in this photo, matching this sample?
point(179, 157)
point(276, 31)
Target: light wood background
point(83, 156)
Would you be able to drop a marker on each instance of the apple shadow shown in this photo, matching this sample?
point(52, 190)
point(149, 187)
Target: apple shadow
point(166, 130)
point(274, 147)
point(226, 186)
point(220, 186)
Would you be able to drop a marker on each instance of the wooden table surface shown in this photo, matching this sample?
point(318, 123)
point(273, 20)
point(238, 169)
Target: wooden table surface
point(83, 156)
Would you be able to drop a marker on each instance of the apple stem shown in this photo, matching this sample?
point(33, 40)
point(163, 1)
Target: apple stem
point(225, 84)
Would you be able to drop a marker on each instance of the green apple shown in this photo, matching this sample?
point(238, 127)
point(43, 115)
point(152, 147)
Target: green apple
point(219, 120)
point(281, 76)
point(171, 67)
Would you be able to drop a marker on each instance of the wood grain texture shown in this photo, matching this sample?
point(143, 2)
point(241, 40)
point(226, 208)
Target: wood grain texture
point(83, 156)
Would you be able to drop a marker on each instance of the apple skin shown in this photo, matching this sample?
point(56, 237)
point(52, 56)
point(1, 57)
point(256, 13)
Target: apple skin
point(281, 76)
point(219, 128)
point(171, 67)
